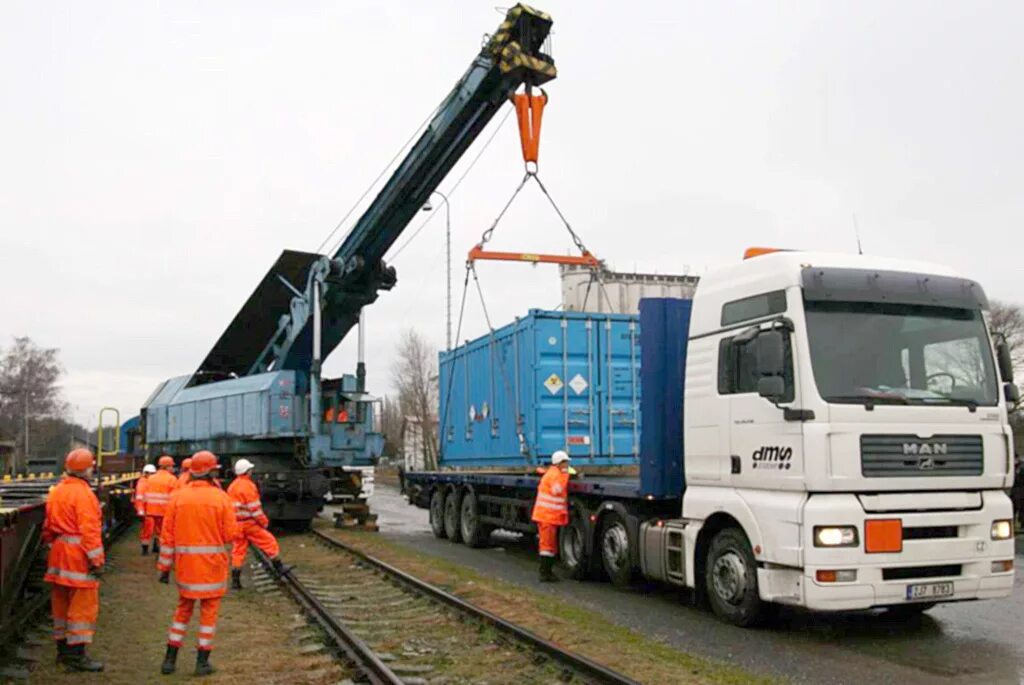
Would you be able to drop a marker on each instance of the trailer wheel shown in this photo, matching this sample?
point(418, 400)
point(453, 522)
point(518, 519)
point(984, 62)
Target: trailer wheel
point(572, 547)
point(452, 506)
point(730, 577)
point(437, 513)
point(474, 532)
point(616, 555)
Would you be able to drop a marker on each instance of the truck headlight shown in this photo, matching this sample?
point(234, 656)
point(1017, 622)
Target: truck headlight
point(836, 536)
point(1002, 529)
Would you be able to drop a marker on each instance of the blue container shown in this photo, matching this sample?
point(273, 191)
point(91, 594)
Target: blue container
point(548, 381)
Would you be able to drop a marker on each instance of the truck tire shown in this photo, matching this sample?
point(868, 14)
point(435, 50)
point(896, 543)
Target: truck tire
point(572, 547)
point(437, 513)
point(474, 532)
point(614, 546)
point(452, 506)
point(730, 578)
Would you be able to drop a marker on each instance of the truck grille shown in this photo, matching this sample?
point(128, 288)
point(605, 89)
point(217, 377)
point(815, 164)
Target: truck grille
point(909, 455)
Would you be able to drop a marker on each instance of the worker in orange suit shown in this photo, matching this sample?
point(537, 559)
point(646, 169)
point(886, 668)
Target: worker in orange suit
point(159, 487)
point(185, 474)
point(198, 525)
point(252, 524)
point(551, 511)
point(74, 529)
point(146, 532)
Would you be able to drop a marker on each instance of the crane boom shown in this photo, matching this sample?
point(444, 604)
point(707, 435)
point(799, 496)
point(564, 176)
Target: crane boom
point(274, 330)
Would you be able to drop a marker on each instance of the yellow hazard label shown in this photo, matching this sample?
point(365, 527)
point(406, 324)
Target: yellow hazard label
point(553, 384)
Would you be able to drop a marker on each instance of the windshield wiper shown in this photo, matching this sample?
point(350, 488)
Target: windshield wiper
point(971, 405)
point(868, 401)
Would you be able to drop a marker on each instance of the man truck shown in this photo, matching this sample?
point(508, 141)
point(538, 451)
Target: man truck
point(824, 431)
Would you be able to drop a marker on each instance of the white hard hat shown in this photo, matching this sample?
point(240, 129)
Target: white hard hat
point(559, 457)
point(243, 466)
point(149, 468)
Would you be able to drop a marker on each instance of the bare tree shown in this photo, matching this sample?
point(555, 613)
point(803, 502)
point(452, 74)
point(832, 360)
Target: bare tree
point(391, 426)
point(414, 376)
point(29, 389)
point(1006, 320)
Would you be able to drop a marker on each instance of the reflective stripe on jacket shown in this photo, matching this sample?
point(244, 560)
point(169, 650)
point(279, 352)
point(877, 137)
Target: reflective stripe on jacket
point(140, 495)
point(158, 492)
point(552, 503)
point(198, 525)
point(74, 527)
point(246, 496)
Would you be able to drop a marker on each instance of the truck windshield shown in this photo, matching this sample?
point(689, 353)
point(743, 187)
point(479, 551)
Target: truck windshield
point(900, 354)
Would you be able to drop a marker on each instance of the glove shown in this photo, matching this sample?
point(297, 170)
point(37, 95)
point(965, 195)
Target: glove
point(98, 571)
point(165, 577)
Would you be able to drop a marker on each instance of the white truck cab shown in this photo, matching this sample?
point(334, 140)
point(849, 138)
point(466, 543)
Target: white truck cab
point(846, 438)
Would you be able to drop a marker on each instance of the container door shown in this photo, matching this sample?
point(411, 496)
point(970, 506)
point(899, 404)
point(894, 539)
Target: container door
point(619, 405)
point(565, 383)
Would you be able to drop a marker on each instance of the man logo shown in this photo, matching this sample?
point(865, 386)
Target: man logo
point(924, 448)
point(926, 463)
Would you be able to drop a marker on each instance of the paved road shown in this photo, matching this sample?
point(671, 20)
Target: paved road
point(958, 643)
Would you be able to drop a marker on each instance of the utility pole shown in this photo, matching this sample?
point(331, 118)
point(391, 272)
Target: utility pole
point(448, 264)
point(26, 427)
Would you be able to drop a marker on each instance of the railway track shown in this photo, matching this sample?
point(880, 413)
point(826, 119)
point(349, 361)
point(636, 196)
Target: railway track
point(397, 629)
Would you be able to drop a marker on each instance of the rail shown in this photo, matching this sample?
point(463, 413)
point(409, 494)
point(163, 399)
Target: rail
point(379, 672)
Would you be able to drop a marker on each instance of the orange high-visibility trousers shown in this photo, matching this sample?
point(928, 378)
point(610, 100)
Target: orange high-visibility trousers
point(257, 535)
point(74, 612)
point(147, 530)
point(208, 609)
point(547, 537)
point(158, 525)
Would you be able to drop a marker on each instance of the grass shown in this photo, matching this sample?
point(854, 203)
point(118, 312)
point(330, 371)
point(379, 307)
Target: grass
point(580, 630)
point(254, 642)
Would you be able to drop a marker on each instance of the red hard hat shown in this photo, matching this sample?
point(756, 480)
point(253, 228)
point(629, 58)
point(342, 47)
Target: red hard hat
point(79, 460)
point(203, 462)
point(187, 463)
point(165, 461)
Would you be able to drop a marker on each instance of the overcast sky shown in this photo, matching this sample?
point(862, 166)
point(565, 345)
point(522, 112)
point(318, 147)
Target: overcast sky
point(156, 157)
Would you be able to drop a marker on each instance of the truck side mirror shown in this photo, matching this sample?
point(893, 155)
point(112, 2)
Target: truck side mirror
point(770, 353)
point(1005, 361)
point(771, 387)
point(1011, 393)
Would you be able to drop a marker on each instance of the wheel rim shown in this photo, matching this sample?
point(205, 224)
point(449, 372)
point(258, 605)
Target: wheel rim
point(729, 577)
point(615, 547)
point(468, 518)
point(572, 546)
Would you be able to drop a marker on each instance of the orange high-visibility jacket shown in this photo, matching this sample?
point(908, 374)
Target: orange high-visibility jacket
point(158, 492)
point(199, 523)
point(74, 526)
point(140, 496)
point(183, 479)
point(552, 503)
point(246, 496)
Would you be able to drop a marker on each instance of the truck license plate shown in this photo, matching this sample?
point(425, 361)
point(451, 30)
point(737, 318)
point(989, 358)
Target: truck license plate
point(929, 590)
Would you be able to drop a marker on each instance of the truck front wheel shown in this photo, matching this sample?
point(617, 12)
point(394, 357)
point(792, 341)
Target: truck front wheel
point(730, 577)
point(437, 513)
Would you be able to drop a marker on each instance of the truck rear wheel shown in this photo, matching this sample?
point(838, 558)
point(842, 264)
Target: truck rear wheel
point(452, 506)
point(730, 577)
point(437, 513)
point(616, 555)
point(474, 532)
point(572, 547)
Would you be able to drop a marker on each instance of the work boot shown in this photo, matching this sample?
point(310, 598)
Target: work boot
point(78, 660)
point(170, 660)
point(145, 550)
point(62, 650)
point(156, 547)
point(236, 579)
point(279, 568)
point(203, 665)
point(547, 575)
